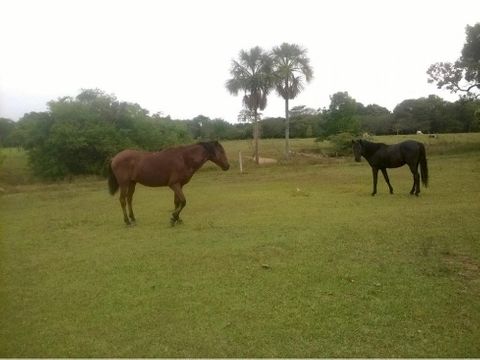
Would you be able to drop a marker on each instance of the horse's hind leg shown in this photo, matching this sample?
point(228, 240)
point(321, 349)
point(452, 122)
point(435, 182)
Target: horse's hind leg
point(416, 179)
point(131, 191)
point(387, 180)
point(413, 186)
point(123, 203)
point(375, 178)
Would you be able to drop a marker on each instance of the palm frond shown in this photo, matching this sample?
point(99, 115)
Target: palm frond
point(291, 69)
point(252, 73)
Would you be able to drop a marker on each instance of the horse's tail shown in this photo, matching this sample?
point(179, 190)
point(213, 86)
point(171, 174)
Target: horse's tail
point(112, 180)
point(423, 165)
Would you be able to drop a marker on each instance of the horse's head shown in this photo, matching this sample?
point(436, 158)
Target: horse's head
point(357, 149)
point(216, 154)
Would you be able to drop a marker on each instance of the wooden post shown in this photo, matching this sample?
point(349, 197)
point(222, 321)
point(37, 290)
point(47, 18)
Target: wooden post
point(240, 162)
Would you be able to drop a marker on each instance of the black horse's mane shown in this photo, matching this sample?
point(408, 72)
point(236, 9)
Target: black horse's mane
point(371, 146)
point(371, 143)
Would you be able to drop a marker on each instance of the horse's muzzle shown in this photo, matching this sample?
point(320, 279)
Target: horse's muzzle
point(226, 167)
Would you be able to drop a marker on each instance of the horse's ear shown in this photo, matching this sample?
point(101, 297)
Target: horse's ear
point(353, 141)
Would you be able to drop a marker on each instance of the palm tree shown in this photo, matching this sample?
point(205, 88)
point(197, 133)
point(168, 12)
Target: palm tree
point(291, 69)
point(252, 73)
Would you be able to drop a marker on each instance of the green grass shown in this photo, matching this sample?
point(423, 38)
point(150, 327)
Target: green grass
point(287, 260)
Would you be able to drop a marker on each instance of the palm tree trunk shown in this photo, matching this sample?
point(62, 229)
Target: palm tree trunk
point(287, 131)
point(255, 137)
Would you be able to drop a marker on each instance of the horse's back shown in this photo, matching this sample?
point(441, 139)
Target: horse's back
point(397, 155)
point(146, 168)
point(124, 164)
point(126, 158)
point(410, 148)
point(411, 144)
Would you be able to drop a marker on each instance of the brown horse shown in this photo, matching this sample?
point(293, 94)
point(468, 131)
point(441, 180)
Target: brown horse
point(173, 167)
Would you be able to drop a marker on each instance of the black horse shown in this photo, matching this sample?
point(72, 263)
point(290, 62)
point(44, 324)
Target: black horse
point(381, 156)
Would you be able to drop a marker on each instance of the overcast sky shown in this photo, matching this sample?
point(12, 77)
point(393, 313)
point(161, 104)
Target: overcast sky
point(174, 56)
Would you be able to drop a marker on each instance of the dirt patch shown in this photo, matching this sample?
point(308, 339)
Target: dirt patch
point(312, 155)
point(262, 160)
point(462, 265)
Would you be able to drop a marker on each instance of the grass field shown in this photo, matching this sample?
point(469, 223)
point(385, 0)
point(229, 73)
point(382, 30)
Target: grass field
point(288, 260)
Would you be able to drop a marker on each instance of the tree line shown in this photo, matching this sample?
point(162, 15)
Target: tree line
point(103, 114)
point(77, 135)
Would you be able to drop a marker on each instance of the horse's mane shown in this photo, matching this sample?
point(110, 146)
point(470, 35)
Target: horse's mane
point(371, 144)
point(371, 147)
point(209, 146)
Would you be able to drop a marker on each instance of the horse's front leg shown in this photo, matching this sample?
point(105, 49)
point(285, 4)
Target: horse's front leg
point(375, 178)
point(179, 201)
point(385, 176)
point(176, 209)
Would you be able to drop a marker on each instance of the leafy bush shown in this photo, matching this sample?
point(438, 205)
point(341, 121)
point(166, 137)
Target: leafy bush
point(79, 136)
point(341, 143)
point(2, 158)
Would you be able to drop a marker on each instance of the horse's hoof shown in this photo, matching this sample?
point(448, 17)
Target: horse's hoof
point(373, 194)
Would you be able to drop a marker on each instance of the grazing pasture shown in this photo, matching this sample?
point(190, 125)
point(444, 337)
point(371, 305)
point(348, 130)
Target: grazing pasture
point(286, 260)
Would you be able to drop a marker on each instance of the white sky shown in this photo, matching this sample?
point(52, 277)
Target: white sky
point(174, 56)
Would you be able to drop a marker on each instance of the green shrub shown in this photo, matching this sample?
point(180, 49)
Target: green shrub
point(341, 143)
point(79, 136)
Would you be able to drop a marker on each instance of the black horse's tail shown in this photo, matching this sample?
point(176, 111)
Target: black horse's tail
point(112, 180)
point(423, 165)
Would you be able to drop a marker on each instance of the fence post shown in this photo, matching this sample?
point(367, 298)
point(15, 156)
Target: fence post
point(240, 162)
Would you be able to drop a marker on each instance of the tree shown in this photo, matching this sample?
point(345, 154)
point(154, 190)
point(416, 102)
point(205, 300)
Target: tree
point(433, 114)
point(78, 135)
point(272, 128)
point(375, 119)
point(465, 115)
point(199, 127)
point(291, 70)
point(464, 74)
point(7, 126)
point(203, 128)
point(340, 116)
point(252, 74)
